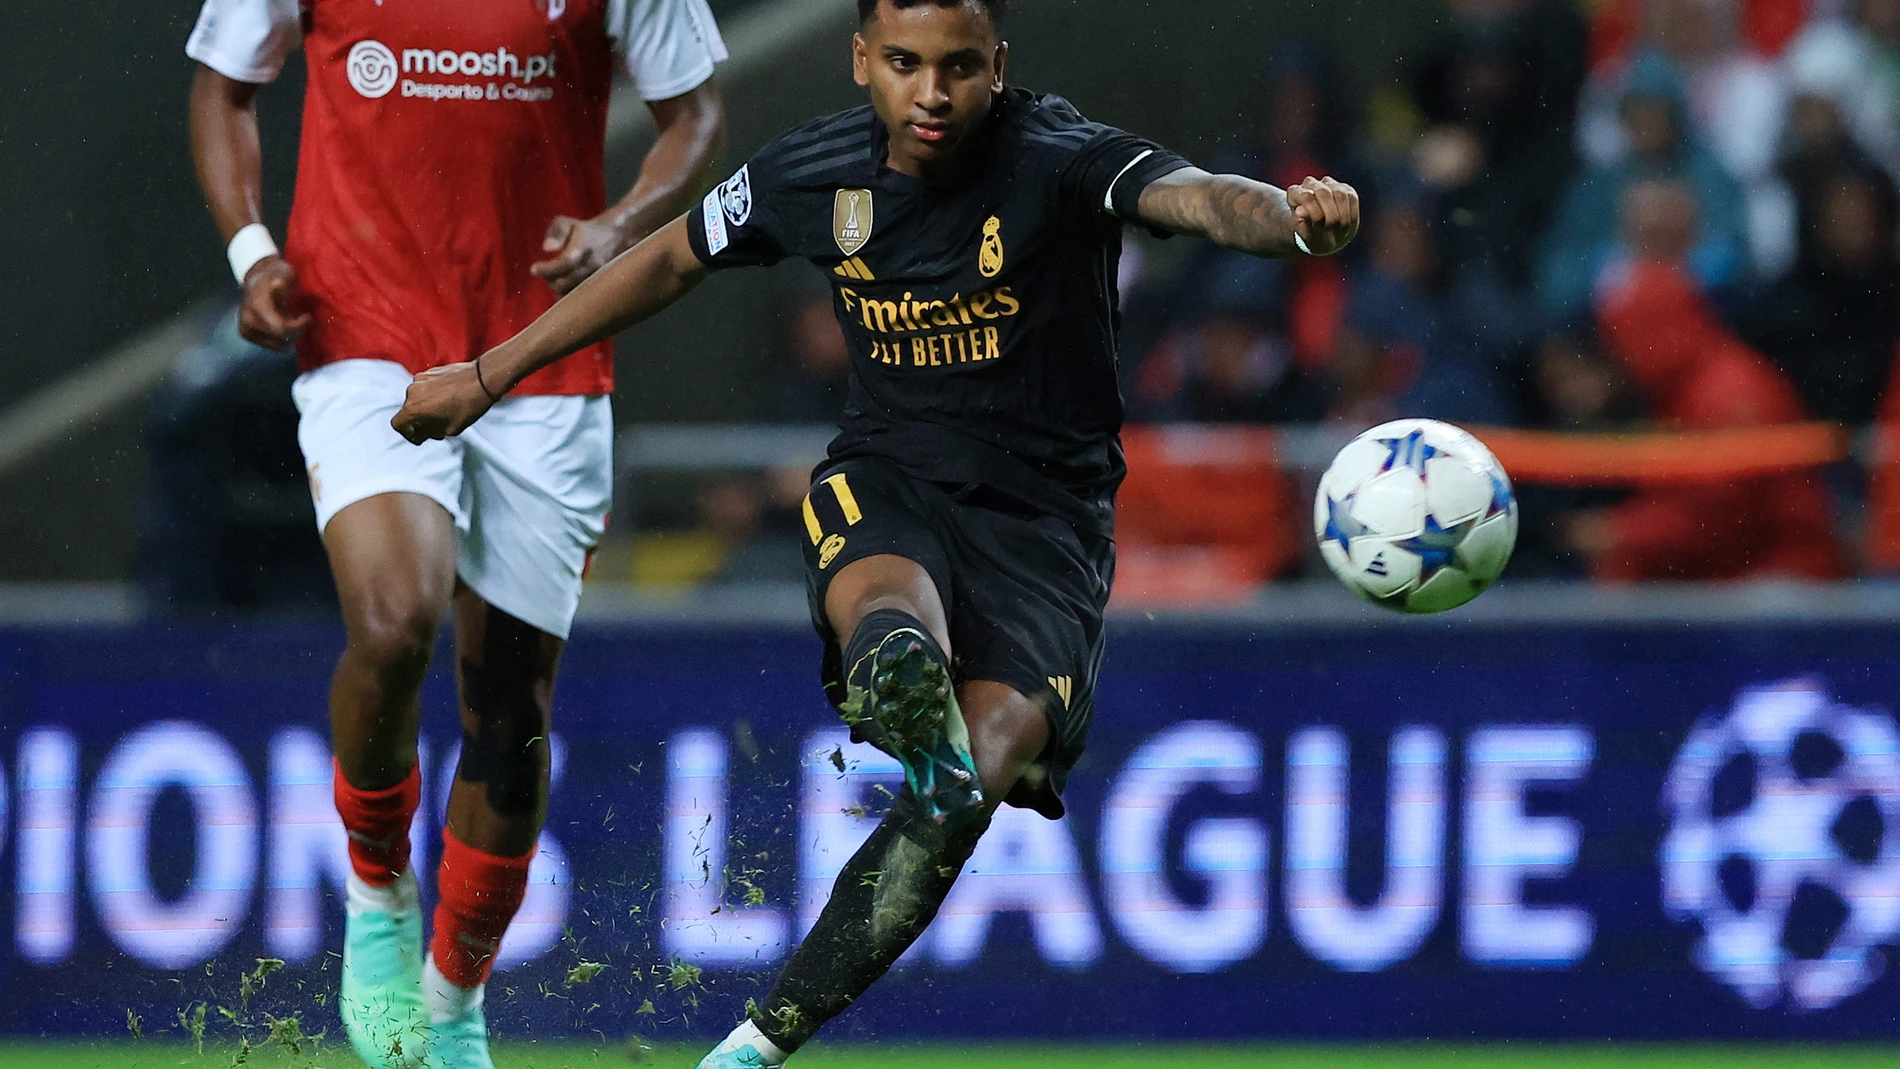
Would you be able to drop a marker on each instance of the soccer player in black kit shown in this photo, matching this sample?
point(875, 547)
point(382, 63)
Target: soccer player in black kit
point(961, 532)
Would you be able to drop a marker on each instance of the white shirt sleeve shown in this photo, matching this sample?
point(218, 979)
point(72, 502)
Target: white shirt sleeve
point(671, 46)
point(245, 40)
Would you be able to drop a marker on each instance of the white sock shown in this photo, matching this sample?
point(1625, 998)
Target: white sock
point(748, 1034)
point(403, 896)
point(446, 1001)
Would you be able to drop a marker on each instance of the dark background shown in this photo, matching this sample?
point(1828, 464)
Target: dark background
point(104, 232)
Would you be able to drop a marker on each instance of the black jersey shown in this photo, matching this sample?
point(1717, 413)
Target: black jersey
point(981, 316)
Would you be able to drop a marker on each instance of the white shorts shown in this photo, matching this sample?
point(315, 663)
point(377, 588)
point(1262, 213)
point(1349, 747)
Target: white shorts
point(529, 485)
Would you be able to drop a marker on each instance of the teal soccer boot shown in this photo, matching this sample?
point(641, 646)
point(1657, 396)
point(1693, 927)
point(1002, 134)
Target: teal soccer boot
point(381, 997)
point(745, 1048)
point(461, 1042)
point(744, 1057)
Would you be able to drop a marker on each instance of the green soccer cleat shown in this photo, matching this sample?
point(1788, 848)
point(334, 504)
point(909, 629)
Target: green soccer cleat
point(461, 1042)
point(381, 997)
point(909, 710)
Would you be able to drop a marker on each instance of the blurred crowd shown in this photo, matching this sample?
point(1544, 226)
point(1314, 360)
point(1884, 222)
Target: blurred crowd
point(1603, 216)
point(1582, 215)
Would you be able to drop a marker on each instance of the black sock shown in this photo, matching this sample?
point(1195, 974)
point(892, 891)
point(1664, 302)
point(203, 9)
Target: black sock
point(871, 633)
point(883, 900)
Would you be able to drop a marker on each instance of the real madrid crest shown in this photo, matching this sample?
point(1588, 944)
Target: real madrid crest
point(989, 259)
point(851, 220)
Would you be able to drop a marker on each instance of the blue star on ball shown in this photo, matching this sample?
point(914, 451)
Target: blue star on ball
point(1502, 499)
point(1435, 546)
point(1408, 452)
point(1341, 525)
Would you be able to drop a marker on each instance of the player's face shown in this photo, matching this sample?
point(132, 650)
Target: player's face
point(933, 72)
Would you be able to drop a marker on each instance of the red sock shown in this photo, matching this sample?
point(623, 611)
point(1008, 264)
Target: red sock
point(378, 825)
point(477, 895)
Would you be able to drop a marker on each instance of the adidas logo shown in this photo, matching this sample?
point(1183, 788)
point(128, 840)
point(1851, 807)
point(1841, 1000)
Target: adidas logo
point(1064, 688)
point(854, 268)
point(1377, 567)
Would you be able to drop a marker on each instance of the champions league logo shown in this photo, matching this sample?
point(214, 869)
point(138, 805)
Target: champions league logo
point(1784, 845)
point(735, 197)
point(371, 69)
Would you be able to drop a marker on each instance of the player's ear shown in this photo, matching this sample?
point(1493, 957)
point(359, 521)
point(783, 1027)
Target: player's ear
point(1002, 62)
point(860, 60)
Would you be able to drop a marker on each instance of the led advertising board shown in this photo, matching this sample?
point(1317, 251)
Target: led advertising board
point(1416, 831)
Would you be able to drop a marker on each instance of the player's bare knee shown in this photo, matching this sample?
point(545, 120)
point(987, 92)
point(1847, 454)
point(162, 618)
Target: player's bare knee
point(886, 582)
point(395, 636)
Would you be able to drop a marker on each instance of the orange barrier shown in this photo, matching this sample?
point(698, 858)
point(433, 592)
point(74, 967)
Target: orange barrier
point(1663, 457)
point(1207, 516)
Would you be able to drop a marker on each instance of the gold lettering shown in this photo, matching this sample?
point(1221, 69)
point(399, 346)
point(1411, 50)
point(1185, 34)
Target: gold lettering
point(847, 501)
point(903, 308)
point(980, 306)
point(935, 356)
point(963, 313)
point(918, 354)
point(990, 348)
point(850, 297)
point(881, 316)
point(811, 522)
point(1008, 305)
point(941, 315)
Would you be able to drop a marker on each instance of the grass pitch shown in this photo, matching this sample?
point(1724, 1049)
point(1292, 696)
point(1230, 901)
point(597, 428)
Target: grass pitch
point(157, 1055)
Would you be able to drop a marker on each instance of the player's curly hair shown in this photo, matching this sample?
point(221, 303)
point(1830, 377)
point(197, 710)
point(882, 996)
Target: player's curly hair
point(995, 8)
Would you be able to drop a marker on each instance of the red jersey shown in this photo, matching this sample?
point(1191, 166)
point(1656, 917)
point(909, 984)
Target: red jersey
point(440, 138)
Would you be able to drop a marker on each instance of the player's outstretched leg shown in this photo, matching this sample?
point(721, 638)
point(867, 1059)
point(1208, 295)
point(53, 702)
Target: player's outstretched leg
point(889, 891)
point(898, 695)
point(505, 669)
point(394, 560)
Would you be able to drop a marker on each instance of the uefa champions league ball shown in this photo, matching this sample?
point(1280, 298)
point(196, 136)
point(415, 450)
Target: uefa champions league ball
point(1416, 516)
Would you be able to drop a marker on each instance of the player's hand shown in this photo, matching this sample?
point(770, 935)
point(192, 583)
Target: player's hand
point(271, 312)
point(577, 248)
point(442, 402)
point(1325, 214)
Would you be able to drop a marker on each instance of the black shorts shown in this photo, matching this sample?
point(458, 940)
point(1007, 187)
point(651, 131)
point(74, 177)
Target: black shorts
point(1023, 591)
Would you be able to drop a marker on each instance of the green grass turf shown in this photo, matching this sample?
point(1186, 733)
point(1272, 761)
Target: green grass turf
point(156, 1055)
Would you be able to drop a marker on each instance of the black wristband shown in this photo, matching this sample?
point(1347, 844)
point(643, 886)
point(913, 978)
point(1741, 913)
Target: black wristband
point(492, 398)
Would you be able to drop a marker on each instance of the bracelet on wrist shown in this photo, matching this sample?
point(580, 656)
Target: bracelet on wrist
point(490, 394)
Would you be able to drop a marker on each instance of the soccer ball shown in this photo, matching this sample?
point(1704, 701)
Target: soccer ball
point(1416, 516)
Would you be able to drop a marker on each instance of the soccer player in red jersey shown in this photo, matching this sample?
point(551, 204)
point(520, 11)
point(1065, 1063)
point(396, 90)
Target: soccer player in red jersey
point(450, 188)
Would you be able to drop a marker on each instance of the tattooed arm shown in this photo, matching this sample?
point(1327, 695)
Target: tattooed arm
point(1253, 217)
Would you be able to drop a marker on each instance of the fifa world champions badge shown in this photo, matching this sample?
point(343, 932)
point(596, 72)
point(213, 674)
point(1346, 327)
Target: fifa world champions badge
point(851, 219)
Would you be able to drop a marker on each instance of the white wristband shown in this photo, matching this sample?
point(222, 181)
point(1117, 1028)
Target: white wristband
point(1301, 242)
point(248, 246)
